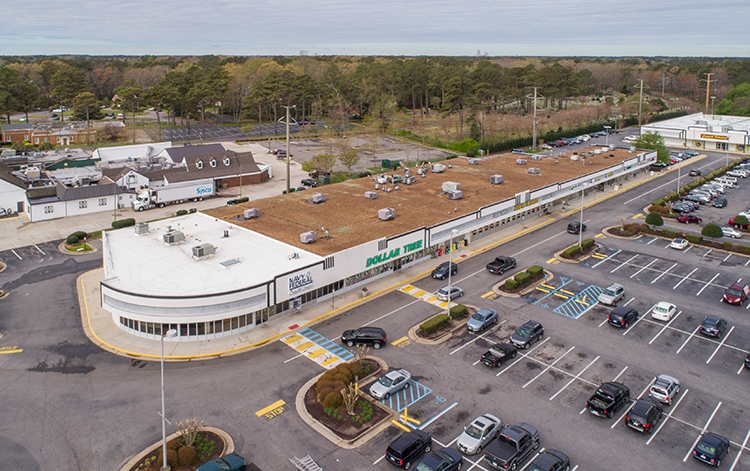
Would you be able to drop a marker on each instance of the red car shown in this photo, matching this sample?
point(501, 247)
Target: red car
point(736, 294)
point(731, 224)
point(688, 218)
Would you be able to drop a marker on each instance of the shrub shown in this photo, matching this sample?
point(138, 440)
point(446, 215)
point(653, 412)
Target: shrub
point(634, 227)
point(204, 446)
point(72, 239)
point(181, 212)
point(586, 243)
point(333, 399)
point(174, 444)
point(187, 455)
point(693, 238)
point(744, 249)
point(192, 210)
point(334, 412)
point(434, 323)
point(740, 220)
point(727, 245)
point(712, 231)
point(123, 223)
point(534, 271)
point(457, 311)
point(366, 413)
point(522, 277)
point(655, 219)
point(669, 233)
point(80, 234)
point(511, 284)
point(322, 384)
point(364, 174)
point(172, 458)
point(571, 252)
point(321, 395)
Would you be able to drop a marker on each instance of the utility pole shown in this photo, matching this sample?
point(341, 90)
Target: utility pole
point(533, 123)
point(288, 156)
point(663, 79)
point(708, 88)
point(640, 104)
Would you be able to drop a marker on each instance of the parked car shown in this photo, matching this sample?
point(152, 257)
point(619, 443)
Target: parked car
point(230, 462)
point(622, 316)
point(478, 433)
point(697, 198)
point(695, 173)
point(731, 232)
point(720, 203)
point(681, 207)
point(513, 445)
point(736, 174)
point(498, 354)
point(404, 450)
point(441, 271)
point(644, 415)
point(374, 336)
point(711, 449)
point(390, 383)
point(441, 460)
point(545, 146)
point(679, 244)
point(612, 294)
point(658, 166)
point(736, 294)
point(455, 292)
point(530, 332)
point(663, 311)
point(713, 326)
point(664, 389)
point(747, 361)
point(550, 460)
point(501, 264)
point(482, 319)
point(630, 138)
point(309, 182)
point(575, 227)
point(689, 218)
point(517, 151)
point(608, 398)
point(691, 153)
point(742, 226)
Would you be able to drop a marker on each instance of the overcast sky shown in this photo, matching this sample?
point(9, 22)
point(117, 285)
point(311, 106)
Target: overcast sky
point(383, 27)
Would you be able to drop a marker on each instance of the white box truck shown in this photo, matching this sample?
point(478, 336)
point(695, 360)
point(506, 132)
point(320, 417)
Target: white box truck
point(173, 193)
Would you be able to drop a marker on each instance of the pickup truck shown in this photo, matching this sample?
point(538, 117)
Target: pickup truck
point(498, 354)
point(512, 446)
point(500, 264)
point(608, 398)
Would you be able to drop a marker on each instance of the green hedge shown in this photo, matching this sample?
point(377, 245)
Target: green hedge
point(694, 238)
point(744, 249)
point(534, 271)
point(123, 223)
point(668, 233)
point(434, 323)
point(511, 284)
point(459, 310)
point(181, 212)
point(571, 252)
point(522, 277)
point(72, 239)
point(586, 243)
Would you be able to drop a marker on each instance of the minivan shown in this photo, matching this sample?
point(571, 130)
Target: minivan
point(405, 450)
point(612, 294)
point(622, 316)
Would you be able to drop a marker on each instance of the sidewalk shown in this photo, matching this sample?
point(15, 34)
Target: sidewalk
point(104, 332)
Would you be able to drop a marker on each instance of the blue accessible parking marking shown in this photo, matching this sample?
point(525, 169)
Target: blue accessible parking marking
point(406, 397)
point(577, 305)
point(326, 343)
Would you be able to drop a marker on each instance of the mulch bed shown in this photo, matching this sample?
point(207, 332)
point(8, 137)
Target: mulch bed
point(345, 429)
point(147, 463)
point(522, 287)
point(584, 253)
point(439, 332)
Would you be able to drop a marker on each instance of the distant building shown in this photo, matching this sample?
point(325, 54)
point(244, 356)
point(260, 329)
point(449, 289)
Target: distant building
point(67, 134)
point(700, 131)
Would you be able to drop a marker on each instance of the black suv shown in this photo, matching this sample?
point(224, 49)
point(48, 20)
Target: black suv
point(622, 316)
point(530, 332)
point(713, 326)
point(309, 182)
point(405, 449)
point(644, 415)
point(575, 227)
point(441, 271)
point(374, 336)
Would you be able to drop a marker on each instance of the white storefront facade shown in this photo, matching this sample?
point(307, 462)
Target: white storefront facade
point(712, 133)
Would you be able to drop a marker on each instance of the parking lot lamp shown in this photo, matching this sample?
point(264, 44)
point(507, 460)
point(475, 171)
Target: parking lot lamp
point(170, 334)
point(454, 232)
point(606, 131)
point(580, 227)
point(679, 169)
point(288, 155)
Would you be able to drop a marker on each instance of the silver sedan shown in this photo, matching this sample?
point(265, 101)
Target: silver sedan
point(391, 383)
point(455, 292)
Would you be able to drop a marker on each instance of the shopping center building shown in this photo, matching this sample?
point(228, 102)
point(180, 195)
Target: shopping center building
point(231, 269)
point(712, 133)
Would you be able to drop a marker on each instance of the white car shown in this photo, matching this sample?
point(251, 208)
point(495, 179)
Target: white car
point(679, 244)
point(474, 437)
point(663, 311)
point(630, 138)
point(455, 292)
point(731, 232)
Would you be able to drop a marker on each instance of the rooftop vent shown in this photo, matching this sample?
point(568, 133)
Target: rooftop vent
point(521, 161)
point(496, 179)
point(370, 195)
point(437, 168)
point(455, 195)
point(203, 251)
point(318, 198)
point(473, 161)
point(534, 171)
point(410, 179)
point(141, 228)
point(386, 213)
point(451, 186)
point(536, 157)
point(173, 238)
point(308, 237)
point(251, 213)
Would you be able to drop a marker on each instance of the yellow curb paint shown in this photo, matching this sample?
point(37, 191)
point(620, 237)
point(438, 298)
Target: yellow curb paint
point(639, 215)
point(304, 346)
point(268, 409)
point(402, 339)
point(6, 352)
point(292, 339)
point(316, 353)
point(560, 295)
point(552, 260)
point(487, 294)
point(600, 235)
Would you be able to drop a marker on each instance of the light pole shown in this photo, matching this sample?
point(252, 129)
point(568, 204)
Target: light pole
point(679, 169)
point(712, 104)
point(454, 232)
point(606, 130)
point(288, 177)
point(580, 227)
point(171, 333)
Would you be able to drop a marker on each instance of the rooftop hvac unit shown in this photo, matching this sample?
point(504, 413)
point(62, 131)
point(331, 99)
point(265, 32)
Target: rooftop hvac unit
point(203, 251)
point(521, 161)
point(455, 195)
point(437, 168)
point(386, 214)
point(308, 237)
point(534, 171)
point(496, 179)
point(451, 186)
point(370, 195)
point(598, 151)
point(536, 157)
point(251, 213)
point(141, 228)
point(410, 179)
point(473, 161)
point(382, 180)
point(318, 198)
point(172, 238)
point(32, 173)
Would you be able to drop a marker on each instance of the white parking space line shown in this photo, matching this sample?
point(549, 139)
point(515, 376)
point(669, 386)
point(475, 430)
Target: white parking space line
point(624, 263)
point(574, 468)
point(548, 367)
point(653, 240)
point(727, 257)
point(475, 464)
point(685, 278)
point(748, 262)
point(620, 374)
point(720, 345)
point(606, 259)
point(633, 403)
point(392, 312)
point(14, 253)
point(523, 355)
point(671, 411)
point(739, 452)
point(742, 367)
point(665, 327)
point(690, 451)
point(643, 268)
point(663, 273)
point(422, 427)
point(639, 319)
point(294, 358)
point(575, 378)
point(709, 251)
point(37, 247)
point(707, 284)
point(476, 338)
point(538, 452)
point(687, 340)
point(378, 460)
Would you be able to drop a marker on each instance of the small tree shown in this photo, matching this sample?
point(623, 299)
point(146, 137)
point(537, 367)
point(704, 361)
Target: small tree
point(189, 430)
point(740, 221)
point(324, 162)
point(713, 231)
point(361, 354)
point(350, 396)
point(654, 219)
point(348, 156)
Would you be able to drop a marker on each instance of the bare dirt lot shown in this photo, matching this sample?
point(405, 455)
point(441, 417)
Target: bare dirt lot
point(351, 219)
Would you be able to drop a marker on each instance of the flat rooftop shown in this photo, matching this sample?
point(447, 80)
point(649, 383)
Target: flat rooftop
point(144, 264)
point(739, 123)
point(351, 219)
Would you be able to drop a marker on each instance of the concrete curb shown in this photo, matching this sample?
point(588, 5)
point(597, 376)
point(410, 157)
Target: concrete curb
point(606, 231)
point(61, 248)
point(437, 341)
point(3, 267)
point(228, 446)
point(550, 276)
